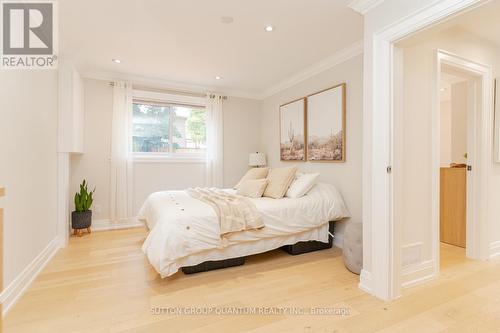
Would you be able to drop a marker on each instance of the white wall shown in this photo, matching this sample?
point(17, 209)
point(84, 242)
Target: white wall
point(445, 134)
point(346, 176)
point(459, 105)
point(241, 136)
point(28, 170)
point(241, 132)
point(453, 125)
point(94, 164)
point(418, 60)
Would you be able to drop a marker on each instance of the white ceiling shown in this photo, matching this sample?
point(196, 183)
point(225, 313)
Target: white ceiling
point(184, 41)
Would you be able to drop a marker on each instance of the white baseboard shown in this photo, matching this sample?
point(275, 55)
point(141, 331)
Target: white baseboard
point(415, 274)
point(18, 286)
point(495, 250)
point(106, 224)
point(365, 281)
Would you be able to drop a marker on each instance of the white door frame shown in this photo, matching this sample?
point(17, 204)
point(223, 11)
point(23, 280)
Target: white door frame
point(478, 158)
point(384, 234)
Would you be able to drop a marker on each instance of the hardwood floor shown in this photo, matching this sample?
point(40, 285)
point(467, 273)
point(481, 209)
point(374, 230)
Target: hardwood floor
point(103, 283)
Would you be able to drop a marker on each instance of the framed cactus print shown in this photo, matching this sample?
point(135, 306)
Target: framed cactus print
point(293, 130)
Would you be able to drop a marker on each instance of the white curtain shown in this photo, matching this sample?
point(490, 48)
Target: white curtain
point(121, 185)
point(215, 136)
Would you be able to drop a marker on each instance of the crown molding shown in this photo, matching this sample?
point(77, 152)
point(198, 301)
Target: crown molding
point(364, 6)
point(339, 57)
point(167, 85)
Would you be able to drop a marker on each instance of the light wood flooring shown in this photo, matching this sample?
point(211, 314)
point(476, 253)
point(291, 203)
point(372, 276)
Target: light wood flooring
point(103, 283)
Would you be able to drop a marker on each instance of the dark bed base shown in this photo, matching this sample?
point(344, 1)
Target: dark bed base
point(310, 246)
point(211, 265)
point(297, 248)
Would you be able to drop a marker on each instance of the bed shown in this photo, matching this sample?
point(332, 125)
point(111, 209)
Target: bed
point(184, 231)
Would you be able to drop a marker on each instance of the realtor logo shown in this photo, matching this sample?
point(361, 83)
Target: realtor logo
point(28, 38)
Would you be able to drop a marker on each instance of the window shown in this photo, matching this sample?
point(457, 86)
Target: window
point(162, 129)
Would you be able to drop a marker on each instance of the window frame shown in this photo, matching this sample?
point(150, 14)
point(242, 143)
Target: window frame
point(160, 98)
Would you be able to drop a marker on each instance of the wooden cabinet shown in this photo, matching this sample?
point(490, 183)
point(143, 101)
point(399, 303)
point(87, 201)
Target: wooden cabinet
point(453, 204)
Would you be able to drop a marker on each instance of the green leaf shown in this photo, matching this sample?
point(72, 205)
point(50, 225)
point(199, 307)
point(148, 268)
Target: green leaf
point(83, 199)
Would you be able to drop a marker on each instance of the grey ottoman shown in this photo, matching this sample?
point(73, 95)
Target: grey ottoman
point(353, 247)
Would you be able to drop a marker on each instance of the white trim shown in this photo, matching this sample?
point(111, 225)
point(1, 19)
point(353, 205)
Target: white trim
point(413, 275)
point(425, 17)
point(365, 281)
point(139, 80)
point(63, 215)
point(169, 158)
point(106, 224)
point(378, 100)
point(21, 283)
point(335, 59)
point(169, 98)
point(496, 145)
point(495, 250)
point(363, 6)
point(396, 189)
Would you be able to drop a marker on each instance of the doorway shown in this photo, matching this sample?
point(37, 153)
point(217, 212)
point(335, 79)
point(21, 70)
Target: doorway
point(384, 230)
point(475, 90)
point(424, 165)
point(458, 103)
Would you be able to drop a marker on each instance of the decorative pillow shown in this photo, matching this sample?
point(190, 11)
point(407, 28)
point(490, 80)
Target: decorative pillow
point(253, 188)
point(255, 173)
point(302, 183)
point(279, 182)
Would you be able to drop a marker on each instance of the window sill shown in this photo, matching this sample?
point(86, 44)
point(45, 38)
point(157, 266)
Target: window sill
point(170, 159)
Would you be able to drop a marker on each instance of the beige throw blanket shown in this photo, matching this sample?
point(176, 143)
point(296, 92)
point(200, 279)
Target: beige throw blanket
point(235, 212)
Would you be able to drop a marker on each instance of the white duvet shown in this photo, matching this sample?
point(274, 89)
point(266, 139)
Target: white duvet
point(182, 226)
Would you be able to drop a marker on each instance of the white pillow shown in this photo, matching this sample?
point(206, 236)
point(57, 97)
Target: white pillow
point(302, 184)
point(254, 173)
point(279, 182)
point(253, 188)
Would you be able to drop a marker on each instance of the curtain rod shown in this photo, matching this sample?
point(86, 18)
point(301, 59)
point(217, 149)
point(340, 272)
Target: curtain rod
point(112, 84)
point(220, 97)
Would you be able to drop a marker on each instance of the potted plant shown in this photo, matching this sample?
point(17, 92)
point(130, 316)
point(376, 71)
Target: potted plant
point(81, 218)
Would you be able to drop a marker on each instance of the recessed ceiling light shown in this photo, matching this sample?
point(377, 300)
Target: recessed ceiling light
point(116, 61)
point(218, 77)
point(269, 28)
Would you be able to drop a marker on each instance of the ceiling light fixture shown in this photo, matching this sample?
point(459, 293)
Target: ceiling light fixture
point(218, 77)
point(269, 28)
point(116, 61)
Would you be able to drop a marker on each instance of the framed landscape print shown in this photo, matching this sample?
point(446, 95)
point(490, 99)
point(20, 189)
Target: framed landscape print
point(326, 119)
point(292, 131)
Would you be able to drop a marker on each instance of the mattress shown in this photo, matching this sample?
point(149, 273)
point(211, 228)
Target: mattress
point(185, 231)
